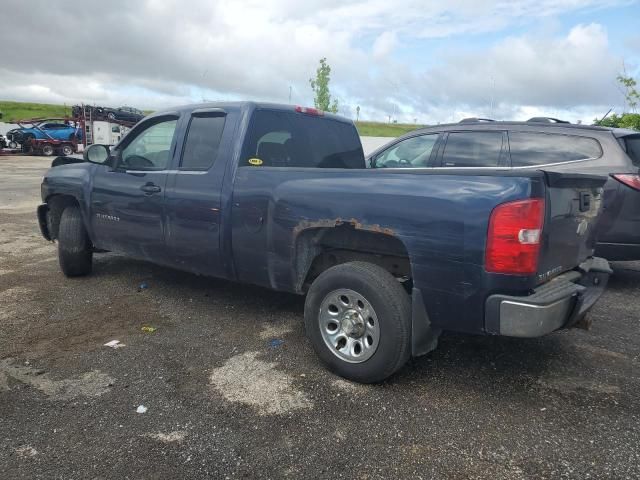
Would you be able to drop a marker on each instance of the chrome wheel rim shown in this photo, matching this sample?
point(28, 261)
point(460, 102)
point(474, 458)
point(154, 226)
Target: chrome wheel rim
point(349, 325)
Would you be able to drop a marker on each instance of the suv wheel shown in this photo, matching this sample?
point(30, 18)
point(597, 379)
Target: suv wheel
point(357, 316)
point(75, 252)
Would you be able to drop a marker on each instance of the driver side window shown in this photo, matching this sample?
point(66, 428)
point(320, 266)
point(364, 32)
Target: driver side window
point(151, 149)
point(412, 152)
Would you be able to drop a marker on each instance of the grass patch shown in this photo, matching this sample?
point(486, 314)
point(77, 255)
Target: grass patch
point(375, 129)
point(12, 111)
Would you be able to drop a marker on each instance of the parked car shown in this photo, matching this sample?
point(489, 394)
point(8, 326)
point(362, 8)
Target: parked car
point(545, 143)
point(280, 196)
point(3, 142)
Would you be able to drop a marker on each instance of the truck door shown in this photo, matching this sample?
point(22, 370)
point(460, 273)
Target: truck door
point(127, 199)
point(193, 202)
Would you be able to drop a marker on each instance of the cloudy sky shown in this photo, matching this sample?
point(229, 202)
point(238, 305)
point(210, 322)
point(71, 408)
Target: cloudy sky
point(429, 60)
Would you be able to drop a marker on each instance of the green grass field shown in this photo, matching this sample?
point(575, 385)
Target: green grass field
point(375, 129)
point(12, 111)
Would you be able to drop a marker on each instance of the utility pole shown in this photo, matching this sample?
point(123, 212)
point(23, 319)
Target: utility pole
point(290, 88)
point(357, 113)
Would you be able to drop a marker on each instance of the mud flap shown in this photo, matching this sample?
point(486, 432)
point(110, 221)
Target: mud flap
point(424, 338)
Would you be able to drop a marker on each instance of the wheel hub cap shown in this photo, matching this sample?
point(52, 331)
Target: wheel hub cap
point(349, 325)
point(353, 324)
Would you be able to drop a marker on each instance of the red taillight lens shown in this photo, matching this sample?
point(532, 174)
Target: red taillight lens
point(629, 179)
point(310, 111)
point(513, 239)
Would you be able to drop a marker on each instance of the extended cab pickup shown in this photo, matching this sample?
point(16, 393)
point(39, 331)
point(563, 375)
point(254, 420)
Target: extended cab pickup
point(279, 196)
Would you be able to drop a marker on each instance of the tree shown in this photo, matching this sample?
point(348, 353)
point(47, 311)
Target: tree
point(626, 120)
point(320, 87)
point(632, 98)
point(631, 95)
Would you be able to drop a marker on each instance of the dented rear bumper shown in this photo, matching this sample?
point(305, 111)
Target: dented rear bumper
point(560, 303)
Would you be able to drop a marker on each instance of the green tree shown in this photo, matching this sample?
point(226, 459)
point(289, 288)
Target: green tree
point(320, 87)
point(631, 95)
point(626, 120)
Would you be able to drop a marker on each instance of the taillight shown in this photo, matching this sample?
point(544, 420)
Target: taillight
point(513, 239)
point(310, 111)
point(629, 179)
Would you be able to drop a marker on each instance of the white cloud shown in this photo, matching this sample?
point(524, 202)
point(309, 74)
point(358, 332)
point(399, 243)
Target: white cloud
point(160, 53)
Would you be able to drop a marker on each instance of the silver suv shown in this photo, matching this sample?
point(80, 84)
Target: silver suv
point(539, 143)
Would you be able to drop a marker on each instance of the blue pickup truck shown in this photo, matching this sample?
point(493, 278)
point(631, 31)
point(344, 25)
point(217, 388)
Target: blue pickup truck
point(280, 196)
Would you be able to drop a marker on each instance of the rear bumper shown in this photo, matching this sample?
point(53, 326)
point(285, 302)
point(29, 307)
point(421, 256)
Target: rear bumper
point(560, 303)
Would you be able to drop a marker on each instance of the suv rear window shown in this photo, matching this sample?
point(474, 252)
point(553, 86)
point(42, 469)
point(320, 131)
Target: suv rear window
point(633, 148)
point(291, 139)
point(528, 149)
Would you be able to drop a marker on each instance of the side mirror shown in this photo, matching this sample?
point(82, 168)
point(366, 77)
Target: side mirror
point(96, 154)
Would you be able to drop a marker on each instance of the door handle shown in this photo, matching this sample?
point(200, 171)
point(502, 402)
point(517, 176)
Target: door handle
point(150, 188)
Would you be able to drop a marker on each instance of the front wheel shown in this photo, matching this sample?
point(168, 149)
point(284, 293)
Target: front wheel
point(358, 318)
point(75, 252)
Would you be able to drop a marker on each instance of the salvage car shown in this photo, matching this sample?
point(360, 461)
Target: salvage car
point(541, 142)
point(279, 196)
point(50, 129)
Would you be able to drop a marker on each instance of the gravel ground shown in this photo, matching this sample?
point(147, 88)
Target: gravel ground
point(226, 399)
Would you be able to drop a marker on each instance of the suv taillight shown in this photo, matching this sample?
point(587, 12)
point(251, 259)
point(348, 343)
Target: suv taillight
point(513, 239)
point(629, 179)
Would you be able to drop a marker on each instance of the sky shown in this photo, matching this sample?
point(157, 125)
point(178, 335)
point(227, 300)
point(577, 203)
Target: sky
point(411, 61)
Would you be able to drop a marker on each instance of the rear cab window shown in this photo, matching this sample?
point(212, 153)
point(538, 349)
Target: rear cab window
point(537, 148)
point(279, 138)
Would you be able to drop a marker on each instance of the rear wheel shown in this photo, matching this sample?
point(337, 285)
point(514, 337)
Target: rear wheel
point(66, 150)
point(74, 247)
point(47, 150)
point(357, 316)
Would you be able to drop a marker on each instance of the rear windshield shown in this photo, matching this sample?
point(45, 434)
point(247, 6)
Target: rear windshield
point(291, 139)
point(633, 148)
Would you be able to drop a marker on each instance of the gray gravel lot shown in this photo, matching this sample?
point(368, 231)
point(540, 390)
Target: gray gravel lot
point(225, 401)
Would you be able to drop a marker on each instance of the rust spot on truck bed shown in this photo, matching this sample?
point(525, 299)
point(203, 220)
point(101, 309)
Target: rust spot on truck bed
point(337, 222)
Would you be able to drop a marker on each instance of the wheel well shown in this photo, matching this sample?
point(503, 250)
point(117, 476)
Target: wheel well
point(57, 204)
point(318, 249)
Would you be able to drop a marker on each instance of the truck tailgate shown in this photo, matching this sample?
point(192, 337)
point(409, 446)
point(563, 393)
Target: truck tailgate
point(573, 202)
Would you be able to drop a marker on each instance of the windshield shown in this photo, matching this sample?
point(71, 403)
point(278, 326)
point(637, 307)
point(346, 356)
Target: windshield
point(291, 139)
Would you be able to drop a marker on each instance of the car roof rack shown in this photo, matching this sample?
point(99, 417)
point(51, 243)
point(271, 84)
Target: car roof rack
point(476, 120)
point(546, 120)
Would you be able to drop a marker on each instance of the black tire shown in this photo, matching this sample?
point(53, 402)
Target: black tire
point(47, 150)
point(75, 252)
point(392, 306)
point(66, 150)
